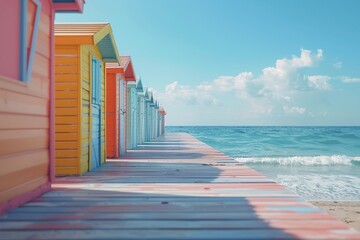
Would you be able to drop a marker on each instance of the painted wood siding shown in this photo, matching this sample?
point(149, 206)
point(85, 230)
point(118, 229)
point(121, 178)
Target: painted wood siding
point(87, 51)
point(112, 116)
point(9, 47)
point(122, 119)
point(117, 116)
point(85, 108)
point(67, 111)
point(128, 117)
point(141, 109)
point(103, 115)
point(134, 110)
point(24, 122)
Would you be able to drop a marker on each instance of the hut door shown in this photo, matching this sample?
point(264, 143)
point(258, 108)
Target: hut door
point(122, 116)
point(117, 117)
point(133, 117)
point(96, 113)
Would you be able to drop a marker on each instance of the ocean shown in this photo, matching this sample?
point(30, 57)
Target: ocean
point(318, 163)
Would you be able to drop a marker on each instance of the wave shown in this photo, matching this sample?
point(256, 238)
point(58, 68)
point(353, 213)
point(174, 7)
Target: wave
point(322, 186)
point(303, 160)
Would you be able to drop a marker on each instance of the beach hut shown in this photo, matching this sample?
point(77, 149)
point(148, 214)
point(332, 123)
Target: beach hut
point(162, 120)
point(118, 75)
point(140, 113)
point(112, 114)
point(147, 116)
point(158, 118)
point(131, 116)
point(26, 98)
point(152, 116)
point(81, 51)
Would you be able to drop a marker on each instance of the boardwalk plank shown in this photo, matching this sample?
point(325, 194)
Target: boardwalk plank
point(180, 234)
point(175, 187)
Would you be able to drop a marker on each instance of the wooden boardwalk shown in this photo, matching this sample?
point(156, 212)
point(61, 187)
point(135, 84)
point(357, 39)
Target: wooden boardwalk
point(175, 187)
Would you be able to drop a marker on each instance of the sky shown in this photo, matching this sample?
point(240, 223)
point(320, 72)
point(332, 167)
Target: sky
point(241, 62)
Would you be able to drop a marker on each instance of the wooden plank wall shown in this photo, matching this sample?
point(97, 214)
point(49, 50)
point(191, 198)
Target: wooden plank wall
point(141, 119)
point(24, 120)
point(67, 111)
point(103, 114)
point(117, 114)
point(111, 116)
point(85, 108)
point(9, 47)
point(128, 117)
point(134, 110)
point(125, 114)
point(87, 51)
point(122, 118)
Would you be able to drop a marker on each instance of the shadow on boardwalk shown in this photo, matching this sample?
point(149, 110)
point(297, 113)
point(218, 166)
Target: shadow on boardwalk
point(195, 192)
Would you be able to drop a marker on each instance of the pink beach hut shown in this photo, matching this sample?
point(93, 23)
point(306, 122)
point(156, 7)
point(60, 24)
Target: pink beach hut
point(27, 97)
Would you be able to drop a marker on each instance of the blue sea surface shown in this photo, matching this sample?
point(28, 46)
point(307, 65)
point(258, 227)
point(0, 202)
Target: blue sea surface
point(318, 163)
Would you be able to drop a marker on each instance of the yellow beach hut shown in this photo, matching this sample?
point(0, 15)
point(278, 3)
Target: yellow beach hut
point(81, 51)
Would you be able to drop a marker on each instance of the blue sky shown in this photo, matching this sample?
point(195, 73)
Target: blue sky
point(234, 62)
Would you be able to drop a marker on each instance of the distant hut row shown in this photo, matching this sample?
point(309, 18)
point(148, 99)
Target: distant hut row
point(101, 110)
point(68, 100)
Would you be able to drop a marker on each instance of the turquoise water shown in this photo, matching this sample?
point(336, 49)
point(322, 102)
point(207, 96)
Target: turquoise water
point(318, 163)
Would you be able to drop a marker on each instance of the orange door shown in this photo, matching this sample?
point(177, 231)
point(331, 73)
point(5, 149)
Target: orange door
point(112, 129)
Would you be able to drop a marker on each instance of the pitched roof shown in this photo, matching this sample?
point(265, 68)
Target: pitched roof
point(125, 61)
point(139, 86)
point(162, 111)
point(99, 34)
point(125, 67)
point(146, 94)
point(68, 5)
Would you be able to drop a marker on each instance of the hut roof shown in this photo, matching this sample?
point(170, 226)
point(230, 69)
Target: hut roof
point(99, 34)
point(125, 68)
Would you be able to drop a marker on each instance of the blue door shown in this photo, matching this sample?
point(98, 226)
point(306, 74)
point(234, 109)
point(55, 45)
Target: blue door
point(96, 113)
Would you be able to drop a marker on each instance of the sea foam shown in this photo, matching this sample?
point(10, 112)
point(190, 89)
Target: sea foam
point(303, 160)
point(322, 186)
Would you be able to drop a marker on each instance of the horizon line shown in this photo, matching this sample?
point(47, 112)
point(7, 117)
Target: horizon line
point(262, 126)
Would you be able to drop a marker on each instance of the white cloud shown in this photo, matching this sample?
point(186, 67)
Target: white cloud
point(177, 92)
point(205, 87)
point(298, 110)
point(319, 82)
point(234, 83)
point(241, 80)
point(265, 93)
point(338, 64)
point(346, 79)
point(278, 81)
point(171, 87)
point(224, 83)
point(306, 59)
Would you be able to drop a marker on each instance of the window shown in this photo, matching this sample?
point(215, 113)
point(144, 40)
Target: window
point(96, 80)
point(28, 41)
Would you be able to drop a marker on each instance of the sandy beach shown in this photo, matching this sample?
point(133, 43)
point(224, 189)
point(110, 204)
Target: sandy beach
point(346, 211)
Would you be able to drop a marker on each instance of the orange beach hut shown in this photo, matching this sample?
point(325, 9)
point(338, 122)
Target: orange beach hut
point(117, 76)
point(26, 97)
point(81, 51)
